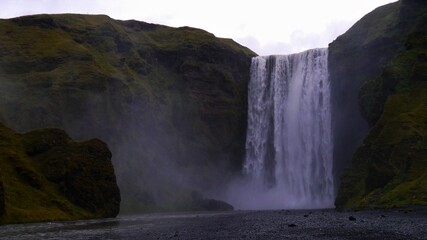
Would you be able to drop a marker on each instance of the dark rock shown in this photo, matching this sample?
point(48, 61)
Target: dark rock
point(86, 176)
point(292, 225)
point(2, 119)
point(377, 66)
point(123, 44)
point(174, 235)
point(351, 218)
point(40, 141)
point(349, 70)
point(29, 176)
point(40, 163)
point(2, 200)
point(306, 215)
point(216, 205)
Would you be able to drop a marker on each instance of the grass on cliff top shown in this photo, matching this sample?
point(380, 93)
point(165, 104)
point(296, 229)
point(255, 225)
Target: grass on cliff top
point(372, 26)
point(28, 196)
point(170, 38)
point(80, 55)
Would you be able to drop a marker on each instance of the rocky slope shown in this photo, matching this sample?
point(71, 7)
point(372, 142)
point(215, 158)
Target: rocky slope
point(170, 102)
point(379, 67)
point(45, 176)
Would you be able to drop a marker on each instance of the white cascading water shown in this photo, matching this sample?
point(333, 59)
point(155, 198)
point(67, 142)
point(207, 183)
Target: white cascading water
point(289, 138)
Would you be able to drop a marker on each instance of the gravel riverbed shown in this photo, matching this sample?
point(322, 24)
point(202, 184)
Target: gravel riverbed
point(277, 224)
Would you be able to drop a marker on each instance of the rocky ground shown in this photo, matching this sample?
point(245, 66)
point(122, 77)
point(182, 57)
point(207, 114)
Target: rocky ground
point(279, 224)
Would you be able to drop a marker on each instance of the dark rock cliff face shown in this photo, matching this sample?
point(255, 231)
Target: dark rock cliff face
point(46, 176)
point(373, 70)
point(84, 172)
point(354, 58)
point(171, 103)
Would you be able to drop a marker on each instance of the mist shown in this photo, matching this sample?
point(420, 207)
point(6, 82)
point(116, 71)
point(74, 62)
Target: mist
point(159, 167)
point(245, 193)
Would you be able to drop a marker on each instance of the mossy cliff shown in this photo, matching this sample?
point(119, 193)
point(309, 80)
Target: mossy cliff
point(170, 102)
point(382, 61)
point(46, 176)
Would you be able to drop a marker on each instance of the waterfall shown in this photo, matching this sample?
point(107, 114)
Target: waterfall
point(289, 139)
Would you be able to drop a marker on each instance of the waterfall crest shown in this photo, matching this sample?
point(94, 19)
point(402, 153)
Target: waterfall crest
point(289, 139)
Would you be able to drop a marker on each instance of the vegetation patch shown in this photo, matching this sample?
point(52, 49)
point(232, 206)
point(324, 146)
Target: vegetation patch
point(390, 168)
point(83, 177)
point(161, 97)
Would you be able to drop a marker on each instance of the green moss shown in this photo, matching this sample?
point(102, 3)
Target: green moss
point(132, 84)
point(389, 169)
point(29, 194)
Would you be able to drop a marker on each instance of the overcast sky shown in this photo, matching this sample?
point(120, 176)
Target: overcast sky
point(265, 26)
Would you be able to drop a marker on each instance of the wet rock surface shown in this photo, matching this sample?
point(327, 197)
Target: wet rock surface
point(322, 224)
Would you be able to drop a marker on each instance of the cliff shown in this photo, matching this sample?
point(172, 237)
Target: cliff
point(379, 89)
point(170, 102)
point(46, 176)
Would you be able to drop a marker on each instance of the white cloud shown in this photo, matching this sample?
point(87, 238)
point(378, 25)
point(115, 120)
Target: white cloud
point(267, 27)
point(250, 42)
point(267, 48)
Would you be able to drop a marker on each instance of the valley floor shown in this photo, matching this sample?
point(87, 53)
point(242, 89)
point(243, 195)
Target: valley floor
point(279, 224)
